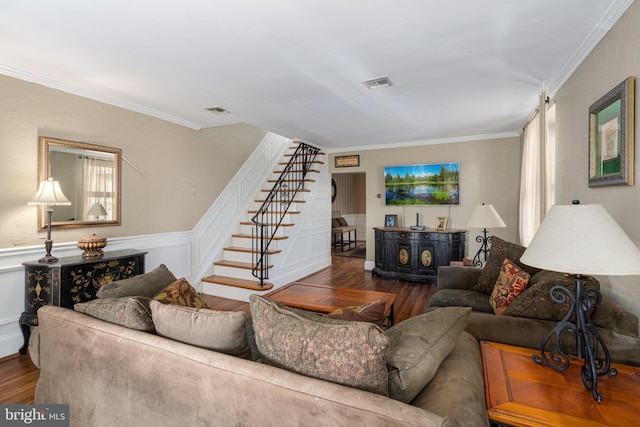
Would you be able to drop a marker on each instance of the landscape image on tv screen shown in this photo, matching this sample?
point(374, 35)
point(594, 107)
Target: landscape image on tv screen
point(430, 184)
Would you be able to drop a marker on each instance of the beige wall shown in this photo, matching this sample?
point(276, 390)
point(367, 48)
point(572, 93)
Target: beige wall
point(182, 171)
point(615, 58)
point(489, 173)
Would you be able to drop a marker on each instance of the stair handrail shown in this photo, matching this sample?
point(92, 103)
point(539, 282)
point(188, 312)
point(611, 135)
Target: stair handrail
point(276, 205)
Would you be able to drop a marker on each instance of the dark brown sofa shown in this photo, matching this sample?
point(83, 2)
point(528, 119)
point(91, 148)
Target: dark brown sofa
point(457, 287)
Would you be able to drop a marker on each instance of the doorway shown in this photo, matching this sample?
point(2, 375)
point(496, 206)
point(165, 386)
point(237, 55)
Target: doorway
point(349, 199)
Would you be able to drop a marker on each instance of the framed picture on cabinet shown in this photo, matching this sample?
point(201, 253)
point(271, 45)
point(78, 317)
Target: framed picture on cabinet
point(391, 220)
point(441, 223)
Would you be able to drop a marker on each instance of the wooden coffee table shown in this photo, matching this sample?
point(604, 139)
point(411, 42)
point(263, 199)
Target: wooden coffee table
point(520, 392)
point(325, 299)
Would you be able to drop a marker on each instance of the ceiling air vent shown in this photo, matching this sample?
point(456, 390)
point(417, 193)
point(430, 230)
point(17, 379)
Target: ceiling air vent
point(378, 82)
point(217, 110)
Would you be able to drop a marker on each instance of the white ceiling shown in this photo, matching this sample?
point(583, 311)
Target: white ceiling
point(460, 68)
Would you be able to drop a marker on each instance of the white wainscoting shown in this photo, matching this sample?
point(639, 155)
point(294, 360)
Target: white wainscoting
point(171, 249)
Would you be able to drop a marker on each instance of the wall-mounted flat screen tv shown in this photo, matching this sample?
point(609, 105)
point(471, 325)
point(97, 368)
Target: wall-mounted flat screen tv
point(435, 184)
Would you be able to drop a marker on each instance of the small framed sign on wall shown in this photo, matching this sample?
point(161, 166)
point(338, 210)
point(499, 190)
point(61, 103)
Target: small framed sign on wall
point(348, 161)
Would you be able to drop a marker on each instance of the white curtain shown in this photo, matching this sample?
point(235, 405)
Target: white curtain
point(550, 159)
point(530, 183)
point(97, 185)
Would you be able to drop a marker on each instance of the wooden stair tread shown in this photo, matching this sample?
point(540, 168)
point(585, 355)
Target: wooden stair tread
point(283, 224)
point(301, 190)
point(249, 250)
point(292, 201)
point(310, 170)
point(292, 180)
point(238, 283)
point(249, 236)
point(238, 264)
point(302, 163)
point(276, 212)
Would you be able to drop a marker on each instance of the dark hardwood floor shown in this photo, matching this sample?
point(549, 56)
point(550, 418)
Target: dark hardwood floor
point(18, 375)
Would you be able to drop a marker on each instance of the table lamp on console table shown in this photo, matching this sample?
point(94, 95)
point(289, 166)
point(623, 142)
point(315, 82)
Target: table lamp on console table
point(484, 216)
point(581, 240)
point(49, 194)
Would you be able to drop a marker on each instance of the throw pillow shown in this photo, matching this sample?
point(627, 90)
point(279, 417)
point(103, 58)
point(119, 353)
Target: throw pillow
point(511, 282)
point(221, 331)
point(147, 284)
point(500, 250)
point(343, 222)
point(536, 302)
point(372, 312)
point(335, 223)
point(343, 352)
point(417, 347)
point(181, 292)
point(131, 312)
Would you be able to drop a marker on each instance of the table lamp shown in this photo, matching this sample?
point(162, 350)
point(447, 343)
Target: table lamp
point(49, 194)
point(97, 210)
point(484, 216)
point(581, 240)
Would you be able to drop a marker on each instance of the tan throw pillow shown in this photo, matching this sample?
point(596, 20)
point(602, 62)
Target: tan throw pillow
point(181, 292)
point(343, 352)
point(131, 312)
point(511, 282)
point(221, 331)
point(372, 312)
point(500, 250)
point(417, 347)
point(147, 284)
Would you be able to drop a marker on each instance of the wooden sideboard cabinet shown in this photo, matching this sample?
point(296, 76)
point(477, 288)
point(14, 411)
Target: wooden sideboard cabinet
point(415, 255)
point(71, 280)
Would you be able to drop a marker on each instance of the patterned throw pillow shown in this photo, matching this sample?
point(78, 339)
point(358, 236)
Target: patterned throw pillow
point(181, 292)
point(131, 312)
point(500, 250)
point(372, 312)
point(511, 282)
point(536, 302)
point(343, 352)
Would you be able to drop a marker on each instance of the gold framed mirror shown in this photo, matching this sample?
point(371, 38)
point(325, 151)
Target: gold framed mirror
point(89, 176)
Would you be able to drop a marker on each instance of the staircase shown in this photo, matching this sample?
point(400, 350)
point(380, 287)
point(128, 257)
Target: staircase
point(246, 263)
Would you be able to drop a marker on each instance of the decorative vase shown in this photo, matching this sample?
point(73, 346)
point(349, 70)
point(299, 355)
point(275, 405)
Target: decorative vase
point(92, 246)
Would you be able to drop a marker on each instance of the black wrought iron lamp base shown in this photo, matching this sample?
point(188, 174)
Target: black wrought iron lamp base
point(588, 341)
point(48, 244)
point(485, 243)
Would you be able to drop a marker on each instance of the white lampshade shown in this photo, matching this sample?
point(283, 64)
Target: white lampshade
point(49, 193)
point(97, 210)
point(485, 216)
point(582, 239)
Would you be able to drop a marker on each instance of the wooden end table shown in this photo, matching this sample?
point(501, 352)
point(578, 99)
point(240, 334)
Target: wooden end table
point(519, 392)
point(325, 299)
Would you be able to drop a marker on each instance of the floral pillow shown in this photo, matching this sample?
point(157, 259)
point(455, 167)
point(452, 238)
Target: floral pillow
point(512, 281)
point(182, 293)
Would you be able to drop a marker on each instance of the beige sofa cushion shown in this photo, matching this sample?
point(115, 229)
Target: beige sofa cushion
point(221, 331)
point(343, 352)
point(147, 284)
point(417, 347)
point(132, 312)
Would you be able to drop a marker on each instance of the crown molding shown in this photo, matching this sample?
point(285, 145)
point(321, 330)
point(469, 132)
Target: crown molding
point(613, 14)
point(85, 93)
point(426, 142)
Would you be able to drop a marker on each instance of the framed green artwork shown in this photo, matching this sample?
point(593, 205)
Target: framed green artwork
point(611, 138)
